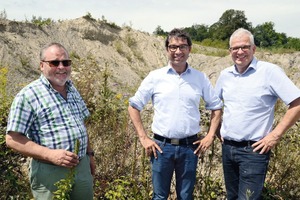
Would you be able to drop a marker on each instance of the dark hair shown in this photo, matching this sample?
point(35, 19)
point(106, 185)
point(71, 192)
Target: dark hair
point(44, 48)
point(178, 33)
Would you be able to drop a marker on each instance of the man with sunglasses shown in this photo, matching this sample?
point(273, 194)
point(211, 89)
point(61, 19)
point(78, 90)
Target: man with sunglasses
point(250, 89)
point(175, 91)
point(45, 121)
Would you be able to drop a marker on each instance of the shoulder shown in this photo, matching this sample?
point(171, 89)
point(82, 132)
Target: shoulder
point(162, 70)
point(32, 87)
point(196, 72)
point(268, 67)
point(227, 70)
point(157, 74)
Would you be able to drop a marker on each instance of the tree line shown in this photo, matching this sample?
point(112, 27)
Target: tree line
point(219, 32)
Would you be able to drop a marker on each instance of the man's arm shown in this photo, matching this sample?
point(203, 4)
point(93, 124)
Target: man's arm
point(22, 144)
point(149, 145)
point(290, 118)
point(215, 120)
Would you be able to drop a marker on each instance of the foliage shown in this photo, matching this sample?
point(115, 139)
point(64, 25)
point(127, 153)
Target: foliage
point(220, 32)
point(89, 16)
point(3, 14)
point(39, 21)
point(159, 31)
point(198, 32)
point(266, 36)
point(293, 43)
point(228, 23)
point(123, 169)
point(110, 24)
point(125, 188)
point(215, 43)
point(13, 183)
point(64, 186)
point(283, 180)
point(108, 123)
point(208, 185)
point(4, 99)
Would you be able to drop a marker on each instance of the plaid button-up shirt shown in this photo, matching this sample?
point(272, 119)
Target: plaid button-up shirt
point(43, 115)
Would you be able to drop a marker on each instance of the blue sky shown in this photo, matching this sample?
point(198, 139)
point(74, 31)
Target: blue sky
point(146, 15)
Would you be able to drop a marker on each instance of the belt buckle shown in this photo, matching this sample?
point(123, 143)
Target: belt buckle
point(175, 141)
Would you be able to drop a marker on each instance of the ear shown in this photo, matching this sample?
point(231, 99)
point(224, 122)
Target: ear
point(41, 66)
point(254, 48)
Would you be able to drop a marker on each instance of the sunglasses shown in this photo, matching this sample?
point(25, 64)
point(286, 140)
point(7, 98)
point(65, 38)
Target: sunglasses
point(55, 63)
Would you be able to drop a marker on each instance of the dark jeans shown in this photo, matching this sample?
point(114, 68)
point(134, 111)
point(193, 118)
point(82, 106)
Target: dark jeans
point(178, 158)
point(244, 172)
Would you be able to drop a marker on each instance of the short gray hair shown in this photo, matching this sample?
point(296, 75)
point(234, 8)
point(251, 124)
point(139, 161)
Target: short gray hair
point(44, 48)
point(239, 32)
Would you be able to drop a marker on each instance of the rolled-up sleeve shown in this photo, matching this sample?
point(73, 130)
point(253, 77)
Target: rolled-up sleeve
point(143, 94)
point(212, 101)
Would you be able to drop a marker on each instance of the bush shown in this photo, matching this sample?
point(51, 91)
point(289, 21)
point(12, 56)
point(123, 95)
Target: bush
point(14, 184)
point(123, 170)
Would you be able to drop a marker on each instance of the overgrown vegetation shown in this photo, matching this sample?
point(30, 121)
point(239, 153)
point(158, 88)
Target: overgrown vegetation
point(39, 21)
point(64, 186)
point(14, 183)
point(217, 35)
point(123, 169)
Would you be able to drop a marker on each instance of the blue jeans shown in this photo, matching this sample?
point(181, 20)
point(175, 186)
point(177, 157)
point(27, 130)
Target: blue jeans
point(244, 172)
point(178, 158)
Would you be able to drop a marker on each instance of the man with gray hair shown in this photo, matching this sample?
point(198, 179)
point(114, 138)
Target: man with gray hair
point(45, 121)
point(249, 90)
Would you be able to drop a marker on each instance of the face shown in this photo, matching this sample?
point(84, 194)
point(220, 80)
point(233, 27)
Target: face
point(178, 51)
point(242, 52)
point(57, 75)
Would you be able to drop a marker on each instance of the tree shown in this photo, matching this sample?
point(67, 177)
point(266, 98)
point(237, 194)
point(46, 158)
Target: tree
point(228, 23)
point(293, 43)
point(266, 36)
point(159, 31)
point(198, 32)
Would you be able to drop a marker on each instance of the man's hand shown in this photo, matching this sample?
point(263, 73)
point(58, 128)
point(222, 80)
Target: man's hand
point(63, 158)
point(204, 144)
point(150, 146)
point(266, 144)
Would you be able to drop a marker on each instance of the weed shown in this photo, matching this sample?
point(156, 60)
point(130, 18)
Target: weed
point(64, 186)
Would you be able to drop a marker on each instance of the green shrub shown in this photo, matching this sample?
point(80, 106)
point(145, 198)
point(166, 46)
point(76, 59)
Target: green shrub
point(123, 170)
point(14, 184)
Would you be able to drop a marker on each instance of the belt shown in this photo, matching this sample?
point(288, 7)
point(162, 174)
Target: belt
point(183, 141)
point(239, 144)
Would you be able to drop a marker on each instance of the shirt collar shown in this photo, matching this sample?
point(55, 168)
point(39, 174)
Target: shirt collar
point(171, 70)
point(46, 82)
point(253, 65)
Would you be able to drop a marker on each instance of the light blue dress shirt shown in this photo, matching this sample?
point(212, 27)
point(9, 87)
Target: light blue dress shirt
point(250, 98)
point(176, 100)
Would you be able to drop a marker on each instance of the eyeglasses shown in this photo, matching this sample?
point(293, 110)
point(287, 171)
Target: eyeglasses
point(174, 48)
point(55, 63)
point(243, 48)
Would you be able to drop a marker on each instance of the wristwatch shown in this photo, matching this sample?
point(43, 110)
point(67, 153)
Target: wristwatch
point(90, 153)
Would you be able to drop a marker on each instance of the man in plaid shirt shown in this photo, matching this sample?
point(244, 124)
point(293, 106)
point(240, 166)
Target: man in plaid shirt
point(45, 121)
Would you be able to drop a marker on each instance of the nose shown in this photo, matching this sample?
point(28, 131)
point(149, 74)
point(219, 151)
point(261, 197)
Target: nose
point(178, 49)
point(60, 65)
